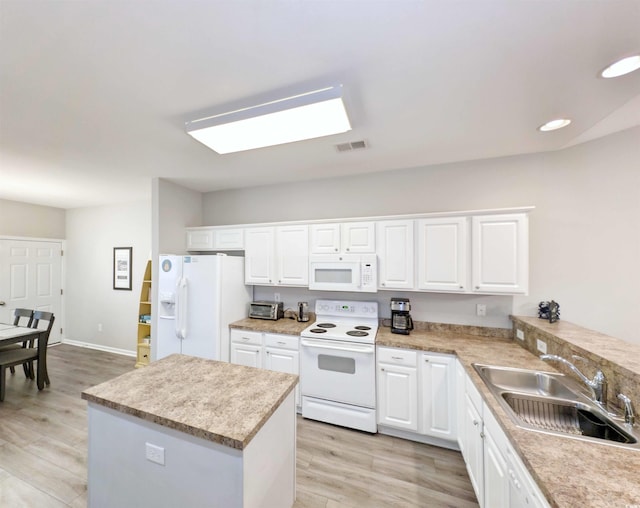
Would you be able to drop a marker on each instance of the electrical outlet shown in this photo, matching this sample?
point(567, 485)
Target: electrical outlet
point(519, 334)
point(481, 309)
point(276, 297)
point(542, 346)
point(99, 327)
point(155, 453)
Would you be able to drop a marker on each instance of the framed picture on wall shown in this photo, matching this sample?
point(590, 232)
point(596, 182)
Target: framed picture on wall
point(122, 258)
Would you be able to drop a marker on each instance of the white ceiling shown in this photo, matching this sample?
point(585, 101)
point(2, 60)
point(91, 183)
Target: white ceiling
point(94, 94)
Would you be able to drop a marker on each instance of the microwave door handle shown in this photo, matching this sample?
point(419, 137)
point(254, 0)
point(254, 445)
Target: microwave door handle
point(325, 345)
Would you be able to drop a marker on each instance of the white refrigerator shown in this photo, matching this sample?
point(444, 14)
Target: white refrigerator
point(198, 296)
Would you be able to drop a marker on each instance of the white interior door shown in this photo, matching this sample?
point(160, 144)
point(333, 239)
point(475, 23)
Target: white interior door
point(31, 278)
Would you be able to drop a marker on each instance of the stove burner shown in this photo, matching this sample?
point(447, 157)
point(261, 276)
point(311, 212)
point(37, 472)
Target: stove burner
point(356, 333)
point(362, 327)
point(318, 330)
point(326, 325)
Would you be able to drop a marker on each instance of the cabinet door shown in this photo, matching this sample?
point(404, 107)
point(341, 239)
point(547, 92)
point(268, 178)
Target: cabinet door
point(394, 240)
point(258, 256)
point(438, 396)
point(325, 238)
point(461, 377)
point(398, 397)
point(358, 237)
point(248, 355)
point(199, 239)
point(473, 457)
point(283, 360)
point(292, 255)
point(496, 482)
point(228, 239)
point(443, 254)
point(500, 253)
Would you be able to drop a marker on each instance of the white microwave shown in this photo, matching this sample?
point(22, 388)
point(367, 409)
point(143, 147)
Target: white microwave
point(344, 272)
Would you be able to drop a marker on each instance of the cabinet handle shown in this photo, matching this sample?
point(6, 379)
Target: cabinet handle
point(381, 369)
point(281, 342)
point(426, 359)
point(347, 249)
point(475, 422)
point(246, 338)
point(477, 287)
point(481, 435)
point(397, 357)
point(336, 250)
point(382, 283)
point(461, 287)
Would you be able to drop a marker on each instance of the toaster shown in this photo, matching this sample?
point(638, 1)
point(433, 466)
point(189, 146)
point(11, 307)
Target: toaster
point(266, 310)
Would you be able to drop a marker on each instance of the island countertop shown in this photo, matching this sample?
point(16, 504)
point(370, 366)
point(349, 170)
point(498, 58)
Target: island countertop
point(217, 401)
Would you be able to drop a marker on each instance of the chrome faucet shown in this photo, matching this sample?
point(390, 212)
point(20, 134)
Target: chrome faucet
point(598, 384)
point(629, 417)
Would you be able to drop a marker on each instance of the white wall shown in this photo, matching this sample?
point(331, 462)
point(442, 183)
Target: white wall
point(585, 246)
point(92, 233)
point(24, 219)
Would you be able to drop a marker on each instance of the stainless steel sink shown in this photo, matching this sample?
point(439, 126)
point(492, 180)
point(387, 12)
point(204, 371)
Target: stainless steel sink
point(553, 403)
point(548, 384)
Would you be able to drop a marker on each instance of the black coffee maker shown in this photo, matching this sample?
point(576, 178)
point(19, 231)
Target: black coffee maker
point(401, 321)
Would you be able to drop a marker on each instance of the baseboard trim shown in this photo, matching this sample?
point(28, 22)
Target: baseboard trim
point(99, 347)
point(420, 438)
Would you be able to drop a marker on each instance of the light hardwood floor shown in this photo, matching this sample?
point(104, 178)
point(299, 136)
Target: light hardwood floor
point(43, 447)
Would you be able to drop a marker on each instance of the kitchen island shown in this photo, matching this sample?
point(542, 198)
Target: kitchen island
point(186, 431)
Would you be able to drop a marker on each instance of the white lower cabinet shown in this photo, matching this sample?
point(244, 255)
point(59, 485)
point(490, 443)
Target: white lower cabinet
point(266, 351)
point(398, 389)
point(438, 395)
point(416, 392)
point(497, 474)
point(246, 348)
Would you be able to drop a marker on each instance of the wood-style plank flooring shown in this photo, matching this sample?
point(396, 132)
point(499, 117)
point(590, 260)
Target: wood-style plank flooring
point(43, 448)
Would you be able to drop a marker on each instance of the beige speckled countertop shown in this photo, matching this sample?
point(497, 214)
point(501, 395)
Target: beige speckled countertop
point(569, 472)
point(285, 326)
point(216, 401)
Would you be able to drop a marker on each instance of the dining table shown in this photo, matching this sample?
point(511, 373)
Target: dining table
point(13, 334)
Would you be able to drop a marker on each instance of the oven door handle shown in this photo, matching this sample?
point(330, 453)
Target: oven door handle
point(324, 344)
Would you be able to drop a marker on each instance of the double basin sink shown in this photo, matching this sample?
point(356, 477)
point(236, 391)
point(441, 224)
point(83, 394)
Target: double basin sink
point(553, 403)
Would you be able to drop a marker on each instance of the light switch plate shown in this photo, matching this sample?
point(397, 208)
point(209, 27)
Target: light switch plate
point(519, 334)
point(542, 346)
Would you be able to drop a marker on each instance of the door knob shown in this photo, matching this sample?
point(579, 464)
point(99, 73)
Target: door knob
point(2, 303)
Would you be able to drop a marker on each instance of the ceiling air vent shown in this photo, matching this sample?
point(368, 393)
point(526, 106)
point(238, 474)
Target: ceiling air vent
point(353, 145)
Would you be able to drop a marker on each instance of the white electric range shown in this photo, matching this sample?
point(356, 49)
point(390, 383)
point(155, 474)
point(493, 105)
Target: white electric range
point(338, 364)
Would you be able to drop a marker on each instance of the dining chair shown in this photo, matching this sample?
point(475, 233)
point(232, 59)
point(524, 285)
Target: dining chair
point(28, 354)
point(38, 316)
point(18, 314)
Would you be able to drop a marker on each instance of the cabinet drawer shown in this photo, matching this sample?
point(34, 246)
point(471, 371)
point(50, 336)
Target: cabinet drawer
point(246, 337)
point(398, 356)
point(281, 341)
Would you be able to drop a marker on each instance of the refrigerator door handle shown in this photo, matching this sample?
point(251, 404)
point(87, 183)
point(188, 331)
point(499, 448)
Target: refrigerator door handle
point(184, 311)
point(181, 285)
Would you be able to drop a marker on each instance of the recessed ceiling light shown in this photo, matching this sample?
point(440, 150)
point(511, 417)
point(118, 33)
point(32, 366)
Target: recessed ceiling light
point(305, 116)
point(554, 125)
point(622, 67)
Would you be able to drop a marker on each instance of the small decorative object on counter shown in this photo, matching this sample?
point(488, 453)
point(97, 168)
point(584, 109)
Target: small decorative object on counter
point(549, 310)
point(303, 312)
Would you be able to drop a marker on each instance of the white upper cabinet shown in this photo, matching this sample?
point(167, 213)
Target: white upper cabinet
point(395, 249)
point(215, 238)
point(292, 255)
point(443, 254)
point(199, 239)
point(277, 256)
point(500, 253)
point(259, 252)
point(348, 238)
point(325, 238)
point(358, 237)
